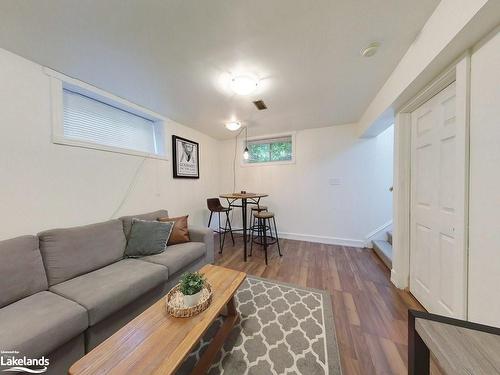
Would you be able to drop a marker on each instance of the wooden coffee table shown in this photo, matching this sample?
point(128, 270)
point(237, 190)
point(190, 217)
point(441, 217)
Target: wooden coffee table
point(157, 343)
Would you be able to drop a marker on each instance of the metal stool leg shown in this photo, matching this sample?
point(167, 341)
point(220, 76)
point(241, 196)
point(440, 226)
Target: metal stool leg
point(224, 235)
point(230, 229)
point(265, 240)
point(262, 228)
point(221, 244)
point(259, 231)
point(251, 236)
point(210, 219)
point(251, 223)
point(277, 239)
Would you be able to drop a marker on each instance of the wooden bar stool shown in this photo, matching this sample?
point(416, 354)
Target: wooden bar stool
point(214, 205)
point(262, 226)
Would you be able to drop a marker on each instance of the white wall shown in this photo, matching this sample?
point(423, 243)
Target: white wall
point(43, 185)
point(484, 211)
point(454, 26)
point(306, 205)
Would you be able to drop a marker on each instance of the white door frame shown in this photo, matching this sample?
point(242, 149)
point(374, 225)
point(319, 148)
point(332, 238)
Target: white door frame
point(459, 72)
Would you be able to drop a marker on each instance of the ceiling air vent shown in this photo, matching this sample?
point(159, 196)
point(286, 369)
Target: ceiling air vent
point(260, 105)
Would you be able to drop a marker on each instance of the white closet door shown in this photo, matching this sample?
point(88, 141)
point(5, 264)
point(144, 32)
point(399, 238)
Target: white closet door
point(438, 178)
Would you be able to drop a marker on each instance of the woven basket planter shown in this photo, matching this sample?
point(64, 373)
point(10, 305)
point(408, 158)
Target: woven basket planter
point(175, 302)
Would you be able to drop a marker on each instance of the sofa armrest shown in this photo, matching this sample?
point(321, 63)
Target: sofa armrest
point(206, 235)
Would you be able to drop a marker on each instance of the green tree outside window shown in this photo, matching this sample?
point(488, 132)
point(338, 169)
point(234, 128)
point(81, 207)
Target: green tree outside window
point(281, 151)
point(277, 150)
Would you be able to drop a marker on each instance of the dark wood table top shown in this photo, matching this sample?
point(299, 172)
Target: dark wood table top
point(243, 196)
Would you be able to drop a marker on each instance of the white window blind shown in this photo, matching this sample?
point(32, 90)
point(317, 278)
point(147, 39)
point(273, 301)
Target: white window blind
point(89, 120)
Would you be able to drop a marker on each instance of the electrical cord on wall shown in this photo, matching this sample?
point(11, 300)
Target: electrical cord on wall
point(129, 189)
point(234, 165)
point(234, 160)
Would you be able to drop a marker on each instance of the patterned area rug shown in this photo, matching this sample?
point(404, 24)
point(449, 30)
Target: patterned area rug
point(284, 329)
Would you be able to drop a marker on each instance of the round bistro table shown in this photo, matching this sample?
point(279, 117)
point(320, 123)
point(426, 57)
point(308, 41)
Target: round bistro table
point(252, 198)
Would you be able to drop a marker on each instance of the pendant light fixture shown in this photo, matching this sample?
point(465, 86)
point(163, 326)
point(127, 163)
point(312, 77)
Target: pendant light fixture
point(246, 154)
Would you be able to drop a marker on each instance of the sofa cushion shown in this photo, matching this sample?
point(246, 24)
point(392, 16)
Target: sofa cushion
point(21, 269)
point(206, 235)
point(111, 288)
point(152, 216)
point(40, 323)
point(148, 238)
point(180, 232)
point(71, 252)
point(176, 257)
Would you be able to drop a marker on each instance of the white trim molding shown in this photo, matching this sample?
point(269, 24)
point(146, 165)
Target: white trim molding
point(396, 280)
point(378, 233)
point(103, 95)
point(459, 72)
point(401, 201)
point(59, 81)
point(323, 239)
point(327, 240)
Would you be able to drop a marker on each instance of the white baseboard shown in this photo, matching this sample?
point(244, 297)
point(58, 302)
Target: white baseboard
point(322, 239)
point(396, 280)
point(319, 239)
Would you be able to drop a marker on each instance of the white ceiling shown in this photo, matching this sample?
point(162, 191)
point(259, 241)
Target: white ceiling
point(170, 55)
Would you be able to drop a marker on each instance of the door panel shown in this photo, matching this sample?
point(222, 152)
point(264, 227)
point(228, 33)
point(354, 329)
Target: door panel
point(437, 249)
point(447, 179)
point(424, 121)
point(446, 263)
point(423, 244)
point(424, 176)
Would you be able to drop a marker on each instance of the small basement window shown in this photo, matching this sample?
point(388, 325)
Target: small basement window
point(92, 121)
point(271, 150)
point(85, 116)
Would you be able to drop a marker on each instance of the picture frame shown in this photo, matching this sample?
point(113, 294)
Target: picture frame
point(186, 158)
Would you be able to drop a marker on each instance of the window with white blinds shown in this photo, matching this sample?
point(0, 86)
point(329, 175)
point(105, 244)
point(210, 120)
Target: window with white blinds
point(91, 121)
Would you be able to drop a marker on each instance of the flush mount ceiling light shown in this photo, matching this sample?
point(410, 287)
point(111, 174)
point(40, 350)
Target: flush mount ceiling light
point(233, 125)
point(370, 50)
point(244, 84)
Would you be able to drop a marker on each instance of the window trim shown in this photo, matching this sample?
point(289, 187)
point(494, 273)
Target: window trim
point(59, 81)
point(264, 137)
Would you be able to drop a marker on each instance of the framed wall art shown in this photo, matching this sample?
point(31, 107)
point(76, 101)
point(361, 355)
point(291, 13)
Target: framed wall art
point(186, 158)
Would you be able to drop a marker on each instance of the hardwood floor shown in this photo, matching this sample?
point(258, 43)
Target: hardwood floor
point(370, 313)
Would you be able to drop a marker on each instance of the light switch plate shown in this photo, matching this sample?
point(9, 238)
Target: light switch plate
point(334, 181)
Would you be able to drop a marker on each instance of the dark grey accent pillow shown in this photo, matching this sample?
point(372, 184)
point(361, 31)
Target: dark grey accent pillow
point(148, 238)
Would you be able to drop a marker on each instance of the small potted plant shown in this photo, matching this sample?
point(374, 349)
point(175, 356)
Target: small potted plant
point(191, 286)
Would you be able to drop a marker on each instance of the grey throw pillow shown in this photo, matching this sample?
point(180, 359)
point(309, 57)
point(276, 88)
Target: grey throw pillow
point(148, 238)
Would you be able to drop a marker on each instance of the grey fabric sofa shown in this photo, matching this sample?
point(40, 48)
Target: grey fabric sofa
point(64, 291)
